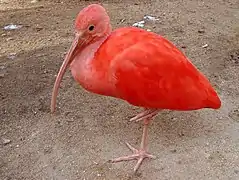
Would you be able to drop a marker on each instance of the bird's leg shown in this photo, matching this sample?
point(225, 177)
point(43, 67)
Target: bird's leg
point(147, 113)
point(142, 153)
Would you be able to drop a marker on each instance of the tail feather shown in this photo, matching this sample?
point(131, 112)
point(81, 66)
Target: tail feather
point(213, 100)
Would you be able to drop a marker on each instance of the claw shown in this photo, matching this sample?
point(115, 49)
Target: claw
point(140, 155)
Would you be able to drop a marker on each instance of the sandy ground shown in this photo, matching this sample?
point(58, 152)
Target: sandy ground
point(88, 129)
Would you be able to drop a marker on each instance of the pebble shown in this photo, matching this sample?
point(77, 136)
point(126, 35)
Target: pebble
point(39, 28)
point(201, 31)
point(6, 141)
point(2, 75)
point(9, 39)
point(12, 27)
point(70, 120)
point(205, 46)
point(139, 24)
point(151, 18)
point(12, 55)
point(34, 1)
point(122, 20)
point(181, 134)
point(173, 150)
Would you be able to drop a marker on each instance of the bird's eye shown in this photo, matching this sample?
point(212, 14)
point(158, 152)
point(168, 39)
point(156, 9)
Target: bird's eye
point(91, 28)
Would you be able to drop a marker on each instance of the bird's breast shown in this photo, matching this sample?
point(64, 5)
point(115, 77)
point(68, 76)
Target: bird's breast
point(87, 75)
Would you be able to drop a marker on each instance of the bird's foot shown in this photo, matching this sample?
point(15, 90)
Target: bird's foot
point(146, 114)
point(140, 155)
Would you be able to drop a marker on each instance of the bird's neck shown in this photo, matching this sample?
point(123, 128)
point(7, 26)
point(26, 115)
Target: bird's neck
point(86, 73)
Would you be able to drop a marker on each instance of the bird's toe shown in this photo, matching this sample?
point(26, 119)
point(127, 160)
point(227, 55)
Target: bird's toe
point(139, 155)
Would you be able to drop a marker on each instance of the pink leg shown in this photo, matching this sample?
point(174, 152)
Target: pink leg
point(146, 114)
point(142, 153)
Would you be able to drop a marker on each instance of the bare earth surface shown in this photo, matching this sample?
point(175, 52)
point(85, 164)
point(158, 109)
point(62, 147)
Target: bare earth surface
point(88, 130)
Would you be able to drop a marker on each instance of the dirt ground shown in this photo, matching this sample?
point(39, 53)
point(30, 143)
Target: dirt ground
point(88, 130)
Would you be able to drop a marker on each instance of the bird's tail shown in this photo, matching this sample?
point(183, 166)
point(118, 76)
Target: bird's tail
point(213, 100)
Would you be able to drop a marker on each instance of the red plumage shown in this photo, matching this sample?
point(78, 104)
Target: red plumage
point(151, 72)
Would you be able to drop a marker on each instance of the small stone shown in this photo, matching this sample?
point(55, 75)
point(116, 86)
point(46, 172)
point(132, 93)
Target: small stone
point(6, 141)
point(151, 18)
point(12, 27)
point(67, 113)
point(9, 39)
point(34, 1)
point(39, 28)
point(122, 20)
point(205, 46)
point(181, 134)
point(47, 150)
point(95, 163)
point(173, 150)
point(70, 120)
point(139, 24)
point(184, 47)
point(12, 55)
point(3, 35)
point(201, 31)
point(2, 75)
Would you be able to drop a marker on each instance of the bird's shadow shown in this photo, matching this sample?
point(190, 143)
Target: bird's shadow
point(169, 127)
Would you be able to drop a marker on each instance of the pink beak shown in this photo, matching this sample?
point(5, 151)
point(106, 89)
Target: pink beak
point(75, 48)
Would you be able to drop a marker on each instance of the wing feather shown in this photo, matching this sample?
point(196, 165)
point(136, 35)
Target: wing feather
point(153, 73)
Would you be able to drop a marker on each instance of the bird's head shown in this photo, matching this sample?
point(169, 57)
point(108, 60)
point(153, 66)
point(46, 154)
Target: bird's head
point(92, 23)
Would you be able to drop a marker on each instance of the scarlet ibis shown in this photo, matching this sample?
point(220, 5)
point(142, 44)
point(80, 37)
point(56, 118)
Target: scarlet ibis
point(140, 67)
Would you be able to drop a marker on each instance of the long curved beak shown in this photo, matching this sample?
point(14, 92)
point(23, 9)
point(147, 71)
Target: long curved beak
point(76, 46)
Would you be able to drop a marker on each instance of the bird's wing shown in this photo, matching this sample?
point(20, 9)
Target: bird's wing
point(154, 73)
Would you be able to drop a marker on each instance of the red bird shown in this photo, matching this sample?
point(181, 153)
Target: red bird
point(135, 65)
